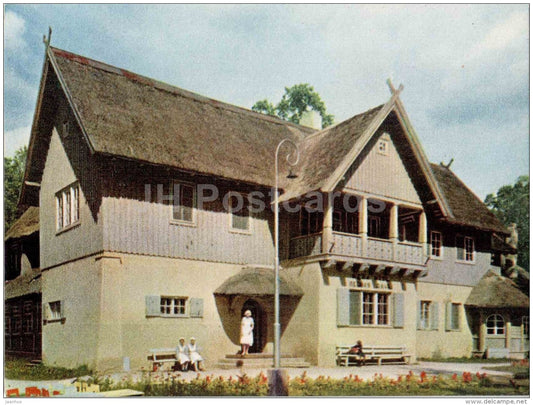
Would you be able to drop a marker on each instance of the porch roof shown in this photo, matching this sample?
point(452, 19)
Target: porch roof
point(27, 224)
point(25, 284)
point(495, 291)
point(256, 281)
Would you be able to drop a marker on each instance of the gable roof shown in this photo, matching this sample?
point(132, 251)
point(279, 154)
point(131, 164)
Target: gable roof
point(128, 115)
point(495, 291)
point(122, 114)
point(466, 207)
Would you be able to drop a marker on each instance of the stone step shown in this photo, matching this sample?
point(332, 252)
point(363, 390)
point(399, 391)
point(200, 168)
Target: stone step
point(264, 361)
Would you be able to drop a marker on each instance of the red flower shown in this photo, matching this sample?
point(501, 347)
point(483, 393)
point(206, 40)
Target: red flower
point(454, 377)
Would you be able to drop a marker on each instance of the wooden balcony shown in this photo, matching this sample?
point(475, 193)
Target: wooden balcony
point(359, 248)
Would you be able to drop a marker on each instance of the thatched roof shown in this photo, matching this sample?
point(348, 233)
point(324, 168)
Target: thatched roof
point(498, 244)
point(254, 281)
point(125, 114)
point(28, 283)
point(27, 224)
point(466, 207)
point(495, 291)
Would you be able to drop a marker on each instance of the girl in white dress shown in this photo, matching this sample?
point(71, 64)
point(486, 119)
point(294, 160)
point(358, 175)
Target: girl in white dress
point(247, 336)
point(194, 356)
point(181, 355)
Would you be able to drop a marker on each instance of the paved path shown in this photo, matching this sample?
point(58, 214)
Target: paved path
point(366, 372)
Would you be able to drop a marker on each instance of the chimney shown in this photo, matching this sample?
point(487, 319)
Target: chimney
point(311, 119)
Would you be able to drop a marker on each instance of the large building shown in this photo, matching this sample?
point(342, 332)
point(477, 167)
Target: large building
point(155, 222)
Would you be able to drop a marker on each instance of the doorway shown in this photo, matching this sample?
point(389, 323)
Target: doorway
point(259, 324)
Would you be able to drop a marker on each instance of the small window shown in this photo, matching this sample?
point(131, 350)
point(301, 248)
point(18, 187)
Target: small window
point(183, 202)
point(425, 320)
point(173, 306)
point(55, 311)
point(465, 248)
point(240, 213)
point(495, 325)
point(66, 128)
point(67, 206)
point(383, 147)
point(436, 244)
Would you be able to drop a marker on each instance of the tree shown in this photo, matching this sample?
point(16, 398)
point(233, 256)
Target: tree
point(13, 177)
point(511, 205)
point(296, 100)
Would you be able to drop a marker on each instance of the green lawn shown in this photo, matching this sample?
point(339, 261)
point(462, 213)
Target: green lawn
point(18, 369)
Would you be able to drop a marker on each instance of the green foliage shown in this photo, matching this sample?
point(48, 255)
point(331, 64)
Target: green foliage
point(265, 107)
point(296, 100)
point(19, 369)
point(13, 177)
point(511, 205)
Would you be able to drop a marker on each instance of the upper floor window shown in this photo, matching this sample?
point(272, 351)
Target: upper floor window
point(68, 206)
point(240, 213)
point(436, 244)
point(465, 248)
point(345, 220)
point(310, 222)
point(383, 147)
point(183, 202)
point(495, 325)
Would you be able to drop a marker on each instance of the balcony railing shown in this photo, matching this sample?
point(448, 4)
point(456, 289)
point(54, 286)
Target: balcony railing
point(356, 246)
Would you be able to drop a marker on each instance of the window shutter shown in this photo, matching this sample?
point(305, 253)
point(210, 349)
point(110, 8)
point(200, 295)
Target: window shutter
point(196, 307)
point(434, 315)
point(397, 300)
point(355, 307)
point(448, 316)
point(343, 306)
point(153, 305)
point(418, 310)
point(61, 309)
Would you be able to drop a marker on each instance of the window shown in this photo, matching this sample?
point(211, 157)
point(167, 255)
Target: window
point(495, 325)
point(375, 308)
point(343, 220)
point(67, 206)
point(424, 320)
point(465, 248)
point(183, 202)
point(436, 244)
point(310, 222)
point(240, 214)
point(383, 147)
point(55, 311)
point(173, 306)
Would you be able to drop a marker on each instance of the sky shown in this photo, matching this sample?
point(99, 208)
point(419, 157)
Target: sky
point(464, 68)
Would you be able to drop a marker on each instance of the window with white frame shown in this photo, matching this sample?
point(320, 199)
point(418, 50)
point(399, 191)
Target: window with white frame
point(495, 325)
point(436, 244)
point(465, 248)
point(375, 308)
point(68, 206)
point(174, 306)
point(183, 202)
point(424, 316)
point(240, 213)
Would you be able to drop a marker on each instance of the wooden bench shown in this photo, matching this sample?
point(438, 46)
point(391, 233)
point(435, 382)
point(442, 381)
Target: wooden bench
point(159, 356)
point(393, 354)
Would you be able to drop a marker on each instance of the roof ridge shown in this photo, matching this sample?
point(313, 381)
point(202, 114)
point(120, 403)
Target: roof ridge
point(157, 84)
point(324, 130)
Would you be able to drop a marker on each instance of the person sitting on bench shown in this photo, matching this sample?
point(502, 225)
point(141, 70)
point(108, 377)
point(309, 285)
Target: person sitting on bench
point(194, 357)
point(183, 360)
point(358, 350)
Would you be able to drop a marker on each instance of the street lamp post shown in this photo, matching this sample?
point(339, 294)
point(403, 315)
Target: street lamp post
point(276, 243)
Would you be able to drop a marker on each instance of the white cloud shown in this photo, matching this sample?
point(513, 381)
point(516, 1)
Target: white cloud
point(16, 138)
point(14, 28)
